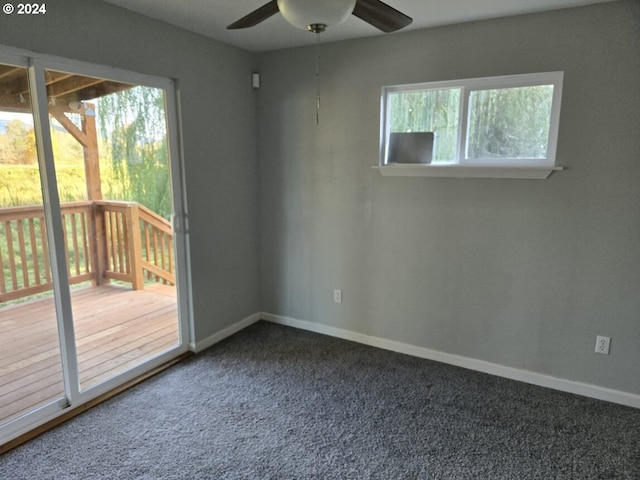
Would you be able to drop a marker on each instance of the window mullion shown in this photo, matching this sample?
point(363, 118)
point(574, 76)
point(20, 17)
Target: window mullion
point(461, 152)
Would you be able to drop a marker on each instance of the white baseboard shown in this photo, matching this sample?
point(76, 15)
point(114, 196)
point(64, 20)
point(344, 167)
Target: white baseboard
point(556, 383)
point(227, 332)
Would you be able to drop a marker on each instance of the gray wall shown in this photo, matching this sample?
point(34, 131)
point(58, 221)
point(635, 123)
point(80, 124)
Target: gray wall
point(218, 108)
point(522, 273)
point(517, 272)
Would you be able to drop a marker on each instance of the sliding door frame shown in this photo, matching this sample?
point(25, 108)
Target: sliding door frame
point(55, 408)
point(37, 65)
point(55, 233)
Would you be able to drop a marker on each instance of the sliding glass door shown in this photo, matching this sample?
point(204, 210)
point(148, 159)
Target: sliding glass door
point(105, 303)
point(113, 181)
point(30, 361)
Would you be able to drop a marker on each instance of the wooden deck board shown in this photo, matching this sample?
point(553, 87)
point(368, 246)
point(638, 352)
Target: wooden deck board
point(116, 328)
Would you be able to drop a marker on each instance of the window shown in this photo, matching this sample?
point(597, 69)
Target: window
point(488, 123)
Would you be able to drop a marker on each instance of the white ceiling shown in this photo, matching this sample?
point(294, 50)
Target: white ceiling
point(210, 18)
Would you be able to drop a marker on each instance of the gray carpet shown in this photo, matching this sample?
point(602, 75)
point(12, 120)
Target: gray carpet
point(273, 402)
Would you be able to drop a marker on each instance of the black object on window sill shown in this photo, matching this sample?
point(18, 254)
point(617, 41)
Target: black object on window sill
point(410, 147)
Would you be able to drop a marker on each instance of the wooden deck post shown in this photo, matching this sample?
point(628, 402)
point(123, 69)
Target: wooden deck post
point(98, 242)
point(91, 155)
point(134, 241)
point(88, 138)
point(94, 190)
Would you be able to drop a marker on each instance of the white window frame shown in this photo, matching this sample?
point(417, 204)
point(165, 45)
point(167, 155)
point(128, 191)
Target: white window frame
point(460, 166)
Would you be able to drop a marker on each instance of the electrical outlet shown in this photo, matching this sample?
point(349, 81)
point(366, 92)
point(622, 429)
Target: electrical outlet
point(602, 344)
point(337, 296)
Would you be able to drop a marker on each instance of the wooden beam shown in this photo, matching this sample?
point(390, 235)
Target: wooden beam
point(88, 138)
point(54, 77)
point(91, 155)
point(71, 85)
point(57, 112)
point(13, 82)
point(8, 71)
point(51, 79)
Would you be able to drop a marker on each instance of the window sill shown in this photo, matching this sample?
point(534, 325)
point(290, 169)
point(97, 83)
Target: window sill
point(466, 171)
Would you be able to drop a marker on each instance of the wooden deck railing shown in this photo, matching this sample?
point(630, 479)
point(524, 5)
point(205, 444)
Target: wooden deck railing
point(103, 239)
point(157, 247)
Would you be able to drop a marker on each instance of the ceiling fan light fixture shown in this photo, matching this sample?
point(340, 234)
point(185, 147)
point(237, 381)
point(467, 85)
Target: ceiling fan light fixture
point(312, 14)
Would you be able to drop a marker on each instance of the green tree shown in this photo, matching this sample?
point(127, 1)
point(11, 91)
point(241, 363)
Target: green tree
point(133, 126)
point(510, 122)
point(429, 111)
point(20, 149)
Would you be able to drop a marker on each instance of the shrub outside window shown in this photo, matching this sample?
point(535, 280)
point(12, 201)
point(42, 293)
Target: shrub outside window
point(495, 121)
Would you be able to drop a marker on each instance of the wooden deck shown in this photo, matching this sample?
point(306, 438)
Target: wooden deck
point(116, 328)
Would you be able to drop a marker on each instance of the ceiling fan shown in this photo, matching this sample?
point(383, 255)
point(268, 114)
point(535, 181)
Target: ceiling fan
point(317, 15)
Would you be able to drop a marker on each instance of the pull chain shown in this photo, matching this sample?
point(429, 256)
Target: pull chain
point(317, 78)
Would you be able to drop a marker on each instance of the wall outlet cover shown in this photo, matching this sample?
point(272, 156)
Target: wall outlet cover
point(603, 344)
point(337, 296)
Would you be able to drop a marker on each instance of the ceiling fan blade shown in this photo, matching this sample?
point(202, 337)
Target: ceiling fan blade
point(381, 15)
point(257, 16)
